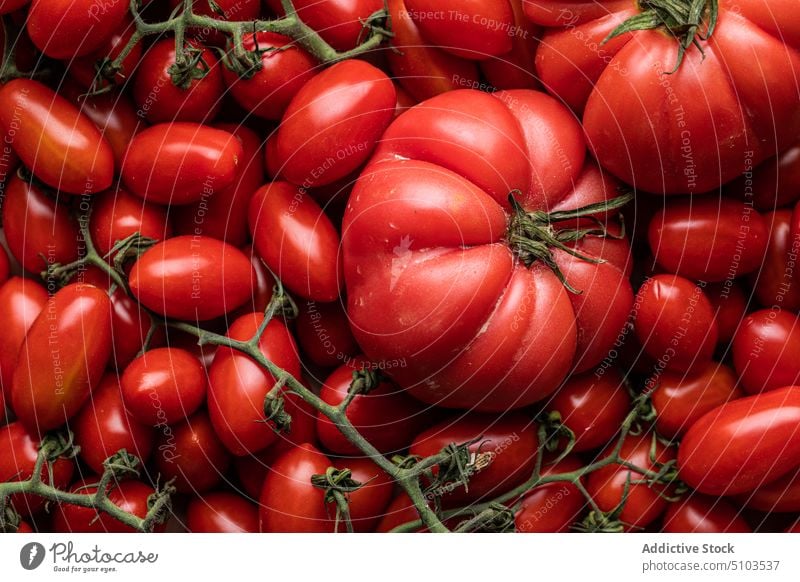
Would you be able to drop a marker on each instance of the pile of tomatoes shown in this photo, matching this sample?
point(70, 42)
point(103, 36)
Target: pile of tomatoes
point(560, 238)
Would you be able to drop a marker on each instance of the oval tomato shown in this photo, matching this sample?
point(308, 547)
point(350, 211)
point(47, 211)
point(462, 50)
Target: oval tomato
point(130, 496)
point(222, 512)
point(776, 283)
point(130, 324)
point(368, 503)
point(117, 215)
point(730, 307)
point(21, 302)
point(553, 507)
point(700, 514)
point(323, 333)
point(765, 350)
point(782, 495)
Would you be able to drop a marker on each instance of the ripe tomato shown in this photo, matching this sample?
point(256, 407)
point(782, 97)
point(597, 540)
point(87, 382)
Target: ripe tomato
point(62, 358)
point(730, 307)
point(130, 324)
point(181, 163)
point(193, 278)
point(59, 144)
point(163, 386)
point(222, 512)
point(130, 496)
point(368, 503)
point(21, 302)
point(681, 399)
point(323, 333)
point(5, 266)
point(19, 449)
point(553, 507)
point(332, 124)
point(765, 350)
point(103, 427)
point(238, 386)
point(675, 323)
point(263, 288)
point(593, 408)
point(777, 283)
point(117, 215)
point(296, 241)
point(774, 183)
point(700, 514)
point(84, 69)
point(514, 69)
point(644, 503)
point(743, 444)
point(782, 495)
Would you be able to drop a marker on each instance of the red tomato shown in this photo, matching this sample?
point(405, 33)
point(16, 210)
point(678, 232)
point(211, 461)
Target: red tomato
point(222, 512)
point(675, 323)
point(387, 417)
point(777, 283)
point(9, 6)
point(263, 288)
point(117, 215)
point(59, 144)
point(332, 124)
point(296, 241)
point(730, 307)
point(708, 239)
point(84, 69)
point(103, 427)
point(553, 507)
point(782, 495)
point(765, 350)
point(743, 444)
point(774, 183)
point(181, 163)
point(130, 324)
point(593, 408)
point(238, 386)
point(284, 70)
point(700, 514)
point(192, 278)
point(197, 97)
point(514, 69)
point(323, 332)
point(368, 503)
point(130, 496)
point(511, 442)
point(62, 358)
point(163, 386)
point(5, 265)
point(644, 503)
point(63, 29)
point(21, 302)
point(681, 399)
point(18, 451)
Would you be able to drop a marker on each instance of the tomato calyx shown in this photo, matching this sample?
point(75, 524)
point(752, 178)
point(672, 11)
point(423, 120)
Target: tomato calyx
point(552, 431)
point(275, 410)
point(9, 519)
point(338, 484)
point(189, 66)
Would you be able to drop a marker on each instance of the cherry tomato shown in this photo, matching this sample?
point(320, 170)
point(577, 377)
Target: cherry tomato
point(21, 302)
point(60, 145)
point(730, 307)
point(84, 69)
point(744, 444)
point(765, 350)
point(368, 503)
point(130, 496)
point(222, 512)
point(323, 332)
point(192, 278)
point(700, 514)
point(553, 507)
point(117, 215)
point(777, 283)
point(782, 495)
point(63, 357)
point(130, 324)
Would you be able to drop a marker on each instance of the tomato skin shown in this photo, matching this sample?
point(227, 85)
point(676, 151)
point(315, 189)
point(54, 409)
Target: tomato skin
point(708, 239)
point(103, 427)
point(743, 444)
point(675, 323)
point(343, 110)
point(222, 512)
point(782, 495)
point(192, 278)
point(55, 374)
point(289, 502)
point(323, 333)
point(730, 307)
point(130, 325)
point(117, 215)
point(84, 69)
point(163, 386)
point(514, 69)
point(296, 240)
point(764, 350)
point(700, 514)
point(18, 451)
point(368, 503)
point(21, 302)
point(776, 283)
point(238, 386)
point(681, 399)
point(180, 163)
point(131, 496)
point(78, 161)
point(593, 408)
point(773, 184)
point(63, 29)
point(553, 507)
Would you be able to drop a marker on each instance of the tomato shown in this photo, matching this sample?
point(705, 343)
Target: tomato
point(21, 302)
point(708, 239)
point(743, 444)
point(222, 512)
point(400, 510)
point(163, 386)
point(681, 399)
point(284, 70)
point(675, 323)
point(181, 163)
point(238, 386)
point(593, 408)
point(514, 69)
point(386, 416)
point(130, 496)
point(233, 10)
point(644, 503)
point(511, 442)
point(9, 6)
point(263, 288)
point(289, 502)
point(774, 183)
point(700, 514)
point(368, 503)
point(130, 324)
point(5, 266)
point(333, 122)
point(224, 215)
point(192, 454)
point(765, 350)
point(117, 215)
point(162, 95)
point(192, 278)
point(323, 332)
point(553, 507)
point(432, 209)
point(669, 140)
point(84, 69)
point(782, 495)
point(59, 144)
point(730, 307)
point(776, 283)
point(63, 29)
point(296, 241)
point(19, 449)
point(103, 427)
point(62, 358)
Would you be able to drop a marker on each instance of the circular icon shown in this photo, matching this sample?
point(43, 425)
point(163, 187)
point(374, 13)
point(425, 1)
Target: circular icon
point(31, 555)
